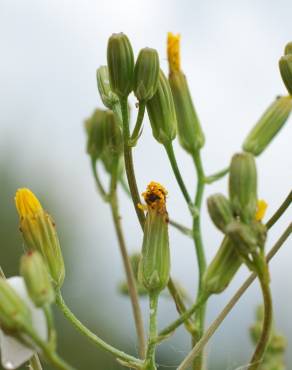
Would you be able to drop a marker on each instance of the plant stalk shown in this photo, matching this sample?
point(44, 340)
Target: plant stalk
point(150, 355)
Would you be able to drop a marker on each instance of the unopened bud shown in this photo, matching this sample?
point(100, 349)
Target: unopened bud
point(190, 133)
point(285, 65)
point(39, 233)
point(222, 269)
point(220, 211)
point(161, 112)
point(243, 237)
point(14, 314)
point(146, 74)
point(120, 59)
point(268, 125)
point(108, 97)
point(36, 277)
point(154, 266)
point(243, 186)
point(94, 130)
point(288, 48)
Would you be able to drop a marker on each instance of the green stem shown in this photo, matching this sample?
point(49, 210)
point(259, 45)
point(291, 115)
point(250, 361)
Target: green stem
point(229, 306)
point(280, 211)
point(183, 229)
point(129, 163)
point(93, 337)
point(51, 326)
point(99, 185)
point(51, 356)
point(267, 324)
point(128, 268)
point(137, 128)
point(150, 355)
point(34, 363)
point(182, 319)
point(177, 174)
point(216, 176)
point(197, 235)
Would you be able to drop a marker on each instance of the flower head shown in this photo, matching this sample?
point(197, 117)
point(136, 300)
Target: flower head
point(155, 197)
point(26, 202)
point(173, 51)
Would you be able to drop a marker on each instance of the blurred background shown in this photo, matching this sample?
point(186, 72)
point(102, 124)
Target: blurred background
point(49, 54)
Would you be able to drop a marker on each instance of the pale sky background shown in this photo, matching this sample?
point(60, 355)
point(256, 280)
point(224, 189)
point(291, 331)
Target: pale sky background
point(230, 49)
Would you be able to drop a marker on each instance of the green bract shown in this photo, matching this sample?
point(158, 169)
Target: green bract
point(120, 60)
point(146, 74)
point(36, 277)
point(108, 98)
point(220, 211)
point(161, 112)
point(190, 132)
point(268, 125)
point(243, 186)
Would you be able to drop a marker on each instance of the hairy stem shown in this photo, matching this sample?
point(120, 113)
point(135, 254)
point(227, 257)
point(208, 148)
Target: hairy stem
point(177, 174)
point(93, 337)
point(150, 355)
point(280, 211)
point(128, 268)
point(129, 163)
point(197, 235)
point(138, 125)
point(216, 176)
point(220, 318)
point(267, 324)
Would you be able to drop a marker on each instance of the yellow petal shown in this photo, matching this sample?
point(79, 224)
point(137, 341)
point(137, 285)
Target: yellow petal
point(261, 209)
point(26, 202)
point(173, 51)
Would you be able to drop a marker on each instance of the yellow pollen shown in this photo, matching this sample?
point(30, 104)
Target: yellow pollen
point(261, 209)
point(155, 197)
point(173, 52)
point(26, 202)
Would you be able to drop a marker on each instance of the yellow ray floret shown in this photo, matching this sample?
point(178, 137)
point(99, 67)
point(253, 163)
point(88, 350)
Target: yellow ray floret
point(261, 209)
point(155, 197)
point(26, 202)
point(173, 52)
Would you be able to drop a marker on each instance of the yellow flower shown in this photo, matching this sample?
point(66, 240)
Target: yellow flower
point(155, 197)
point(261, 209)
point(27, 204)
point(173, 52)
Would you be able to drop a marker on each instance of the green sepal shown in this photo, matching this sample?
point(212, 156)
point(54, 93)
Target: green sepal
point(108, 97)
point(220, 211)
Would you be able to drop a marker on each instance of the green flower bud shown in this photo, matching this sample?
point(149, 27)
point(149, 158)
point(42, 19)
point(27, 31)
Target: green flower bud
point(161, 112)
point(154, 266)
point(288, 48)
point(95, 138)
point(146, 74)
point(285, 65)
point(220, 211)
point(268, 125)
point(39, 233)
point(108, 98)
point(120, 60)
point(222, 269)
point(36, 277)
point(243, 237)
point(190, 133)
point(243, 186)
point(14, 314)
point(113, 142)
